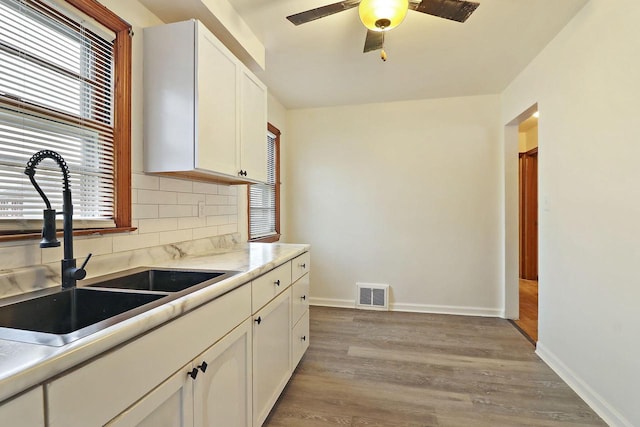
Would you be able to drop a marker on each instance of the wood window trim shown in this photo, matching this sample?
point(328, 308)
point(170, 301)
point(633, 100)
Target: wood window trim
point(274, 237)
point(122, 119)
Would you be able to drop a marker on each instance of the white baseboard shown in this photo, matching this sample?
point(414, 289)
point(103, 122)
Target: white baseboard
point(607, 412)
point(330, 302)
point(414, 308)
point(448, 309)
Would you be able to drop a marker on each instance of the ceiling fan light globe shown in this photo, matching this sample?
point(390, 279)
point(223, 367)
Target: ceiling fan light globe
point(374, 12)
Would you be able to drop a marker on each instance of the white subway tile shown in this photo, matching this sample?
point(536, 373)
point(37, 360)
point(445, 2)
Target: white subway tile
point(167, 237)
point(174, 211)
point(145, 182)
point(199, 233)
point(157, 225)
point(217, 220)
point(191, 222)
point(179, 185)
point(191, 198)
point(205, 187)
point(233, 200)
point(151, 197)
point(20, 256)
point(228, 228)
point(225, 189)
point(144, 211)
point(215, 199)
point(227, 210)
point(134, 195)
point(135, 241)
point(211, 210)
point(82, 246)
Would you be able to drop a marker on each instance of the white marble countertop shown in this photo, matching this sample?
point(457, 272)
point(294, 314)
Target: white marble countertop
point(24, 365)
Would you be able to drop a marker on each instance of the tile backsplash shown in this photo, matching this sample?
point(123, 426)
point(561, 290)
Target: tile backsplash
point(164, 211)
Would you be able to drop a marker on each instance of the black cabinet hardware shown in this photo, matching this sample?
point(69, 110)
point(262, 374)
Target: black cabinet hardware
point(277, 282)
point(193, 373)
point(203, 367)
point(304, 297)
point(304, 338)
point(258, 320)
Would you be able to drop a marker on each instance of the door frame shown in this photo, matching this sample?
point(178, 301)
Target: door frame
point(511, 232)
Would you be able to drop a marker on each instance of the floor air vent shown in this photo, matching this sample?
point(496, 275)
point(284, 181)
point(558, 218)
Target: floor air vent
point(372, 296)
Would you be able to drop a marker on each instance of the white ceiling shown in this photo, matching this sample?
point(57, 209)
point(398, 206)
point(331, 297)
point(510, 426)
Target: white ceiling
point(321, 63)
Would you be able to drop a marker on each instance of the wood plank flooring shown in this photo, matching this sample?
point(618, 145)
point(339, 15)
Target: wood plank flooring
point(528, 321)
point(397, 369)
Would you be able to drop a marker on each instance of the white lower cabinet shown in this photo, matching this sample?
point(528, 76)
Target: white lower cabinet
point(26, 410)
point(222, 393)
point(213, 390)
point(271, 354)
point(169, 405)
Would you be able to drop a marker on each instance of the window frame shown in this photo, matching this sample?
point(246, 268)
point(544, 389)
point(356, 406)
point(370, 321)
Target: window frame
point(121, 120)
point(274, 237)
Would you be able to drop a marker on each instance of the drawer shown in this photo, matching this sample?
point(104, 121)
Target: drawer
point(269, 285)
point(300, 266)
point(26, 410)
point(300, 298)
point(299, 339)
point(124, 375)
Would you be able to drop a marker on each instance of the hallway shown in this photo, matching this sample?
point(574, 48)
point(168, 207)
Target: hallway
point(528, 321)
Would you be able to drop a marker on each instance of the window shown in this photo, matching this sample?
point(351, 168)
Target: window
point(64, 86)
point(264, 199)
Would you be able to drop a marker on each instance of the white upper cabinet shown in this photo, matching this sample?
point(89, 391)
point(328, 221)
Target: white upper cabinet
point(205, 113)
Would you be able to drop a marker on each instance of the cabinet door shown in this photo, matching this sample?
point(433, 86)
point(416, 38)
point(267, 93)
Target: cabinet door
point(26, 410)
point(253, 126)
point(168, 405)
point(217, 118)
point(300, 339)
point(299, 298)
point(271, 354)
point(222, 393)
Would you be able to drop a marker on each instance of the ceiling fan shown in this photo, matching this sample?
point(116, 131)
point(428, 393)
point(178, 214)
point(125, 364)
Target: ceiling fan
point(380, 16)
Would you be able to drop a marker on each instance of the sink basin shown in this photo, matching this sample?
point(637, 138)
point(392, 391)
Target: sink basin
point(161, 280)
point(59, 318)
point(63, 316)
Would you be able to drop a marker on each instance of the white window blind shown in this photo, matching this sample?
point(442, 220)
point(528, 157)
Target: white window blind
point(56, 93)
point(262, 198)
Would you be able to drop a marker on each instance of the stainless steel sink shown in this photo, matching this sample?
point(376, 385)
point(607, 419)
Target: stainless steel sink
point(61, 316)
point(161, 280)
point(66, 315)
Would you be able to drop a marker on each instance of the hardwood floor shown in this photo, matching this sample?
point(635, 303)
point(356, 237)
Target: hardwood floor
point(397, 369)
point(528, 321)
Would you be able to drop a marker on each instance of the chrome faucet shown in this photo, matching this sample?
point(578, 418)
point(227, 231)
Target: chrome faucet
point(69, 273)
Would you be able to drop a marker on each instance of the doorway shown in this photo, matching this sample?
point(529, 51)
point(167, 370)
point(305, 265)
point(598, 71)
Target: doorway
point(528, 226)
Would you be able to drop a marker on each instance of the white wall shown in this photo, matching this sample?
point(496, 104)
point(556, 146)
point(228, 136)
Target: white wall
point(164, 209)
point(586, 85)
point(403, 193)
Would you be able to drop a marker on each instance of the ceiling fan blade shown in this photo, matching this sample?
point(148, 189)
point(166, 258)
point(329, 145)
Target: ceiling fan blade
point(322, 11)
point(374, 41)
point(455, 10)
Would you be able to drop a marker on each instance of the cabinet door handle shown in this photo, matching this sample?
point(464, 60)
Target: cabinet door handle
point(304, 297)
point(258, 320)
point(277, 282)
point(242, 173)
point(304, 338)
point(203, 367)
point(303, 265)
point(193, 373)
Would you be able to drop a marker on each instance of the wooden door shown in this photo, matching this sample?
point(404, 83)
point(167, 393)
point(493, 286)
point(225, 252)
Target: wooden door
point(529, 215)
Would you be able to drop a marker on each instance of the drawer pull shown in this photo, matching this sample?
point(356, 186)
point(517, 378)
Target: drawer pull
point(193, 373)
point(203, 367)
point(304, 297)
point(304, 338)
point(277, 282)
point(258, 320)
point(302, 265)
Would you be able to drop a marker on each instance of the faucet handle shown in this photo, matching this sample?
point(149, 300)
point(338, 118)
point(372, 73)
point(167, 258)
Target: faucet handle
point(81, 273)
point(84, 264)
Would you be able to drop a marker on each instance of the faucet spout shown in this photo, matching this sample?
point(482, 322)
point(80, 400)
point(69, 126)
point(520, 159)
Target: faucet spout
point(70, 274)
